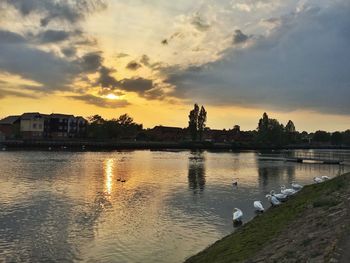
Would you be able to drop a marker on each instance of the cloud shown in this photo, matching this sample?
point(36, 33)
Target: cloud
point(71, 11)
point(50, 36)
point(138, 85)
point(91, 62)
point(133, 65)
point(239, 37)
point(15, 93)
point(302, 63)
point(69, 51)
point(99, 101)
point(199, 23)
point(8, 37)
point(20, 58)
point(105, 80)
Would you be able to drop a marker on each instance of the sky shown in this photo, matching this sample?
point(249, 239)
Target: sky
point(154, 59)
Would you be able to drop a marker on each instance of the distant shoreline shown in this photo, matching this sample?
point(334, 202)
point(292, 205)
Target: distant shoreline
point(151, 145)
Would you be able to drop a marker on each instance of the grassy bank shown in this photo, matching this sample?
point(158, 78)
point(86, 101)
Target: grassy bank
point(312, 204)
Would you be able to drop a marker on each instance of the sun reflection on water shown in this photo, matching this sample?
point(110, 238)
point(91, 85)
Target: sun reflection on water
point(109, 164)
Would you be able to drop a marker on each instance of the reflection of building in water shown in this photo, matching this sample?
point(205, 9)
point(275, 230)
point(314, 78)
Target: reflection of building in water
point(196, 171)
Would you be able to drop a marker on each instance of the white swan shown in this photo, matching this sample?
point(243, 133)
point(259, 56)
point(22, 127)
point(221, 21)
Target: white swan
point(237, 215)
point(287, 191)
point(325, 177)
point(318, 179)
point(273, 200)
point(281, 197)
point(258, 206)
point(296, 186)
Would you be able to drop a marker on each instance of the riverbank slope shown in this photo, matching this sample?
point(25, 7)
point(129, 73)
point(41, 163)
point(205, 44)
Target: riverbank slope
point(313, 226)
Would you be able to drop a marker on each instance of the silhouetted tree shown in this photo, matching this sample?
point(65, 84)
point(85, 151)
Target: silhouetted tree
point(202, 119)
point(337, 138)
point(270, 131)
point(122, 128)
point(321, 136)
point(193, 122)
point(290, 132)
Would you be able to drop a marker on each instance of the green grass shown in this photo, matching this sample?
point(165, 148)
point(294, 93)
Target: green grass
point(250, 238)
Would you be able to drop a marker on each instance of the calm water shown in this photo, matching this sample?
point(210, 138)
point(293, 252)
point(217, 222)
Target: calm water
point(72, 206)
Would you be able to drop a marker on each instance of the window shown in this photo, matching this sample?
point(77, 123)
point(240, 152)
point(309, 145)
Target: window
point(40, 126)
point(34, 125)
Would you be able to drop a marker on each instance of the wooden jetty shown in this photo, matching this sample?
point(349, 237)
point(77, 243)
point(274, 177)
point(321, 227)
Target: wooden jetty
point(302, 158)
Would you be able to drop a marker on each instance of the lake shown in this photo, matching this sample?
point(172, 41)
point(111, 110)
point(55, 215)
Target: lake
point(132, 206)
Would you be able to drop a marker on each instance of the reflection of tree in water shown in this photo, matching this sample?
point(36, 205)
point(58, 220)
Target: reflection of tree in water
point(196, 171)
point(275, 172)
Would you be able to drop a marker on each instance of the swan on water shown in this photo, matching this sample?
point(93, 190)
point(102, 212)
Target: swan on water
point(318, 179)
point(287, 191)
point(273, 200)
point(296, 186)
point(237, 215)
point(281, 197)
point(258, 206)
point(325, 177)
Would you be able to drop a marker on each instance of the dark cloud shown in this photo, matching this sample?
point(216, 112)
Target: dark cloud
point(69, 51)
point(8, 37)
point(21, 58)
point(138, 85)
point(50, 36)
point(156, 93)
point(303, 64)
point(105, 80)
point(91, 62)
point(71, 11)
point(145, 60)
point(6, 90)
point(133, 65)
point(239, 37)
point(100, 102)
point(199, 23)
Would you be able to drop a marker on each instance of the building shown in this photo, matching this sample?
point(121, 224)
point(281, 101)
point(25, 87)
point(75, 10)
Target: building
point(33, 125)
point(61, 126)
point(81, 125)
point(164, 133)
point(10, 127)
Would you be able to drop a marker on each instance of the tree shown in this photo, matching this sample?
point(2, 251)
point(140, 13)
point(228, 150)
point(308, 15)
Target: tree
point(321, 136)
point(290, 128)
point(202, 119)
point(337, 138)
point(270, 131)
point(290, 132)
point(193, 122)
point(125, 120)
point(96, 119)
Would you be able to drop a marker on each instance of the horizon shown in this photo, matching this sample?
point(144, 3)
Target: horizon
point(183, 127)
point(155, 60)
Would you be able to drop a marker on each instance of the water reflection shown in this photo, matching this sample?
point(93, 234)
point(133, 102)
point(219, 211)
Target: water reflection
point(196, 171)
point(69, 207)
point(109, 175)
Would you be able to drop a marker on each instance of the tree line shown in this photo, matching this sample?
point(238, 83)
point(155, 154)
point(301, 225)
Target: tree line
point(269, 132)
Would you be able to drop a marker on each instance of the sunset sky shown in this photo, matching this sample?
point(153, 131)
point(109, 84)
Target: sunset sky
point(154, 58)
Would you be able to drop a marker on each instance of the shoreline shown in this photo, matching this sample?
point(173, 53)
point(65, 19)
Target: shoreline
point(153, 145)
point(313, 226)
